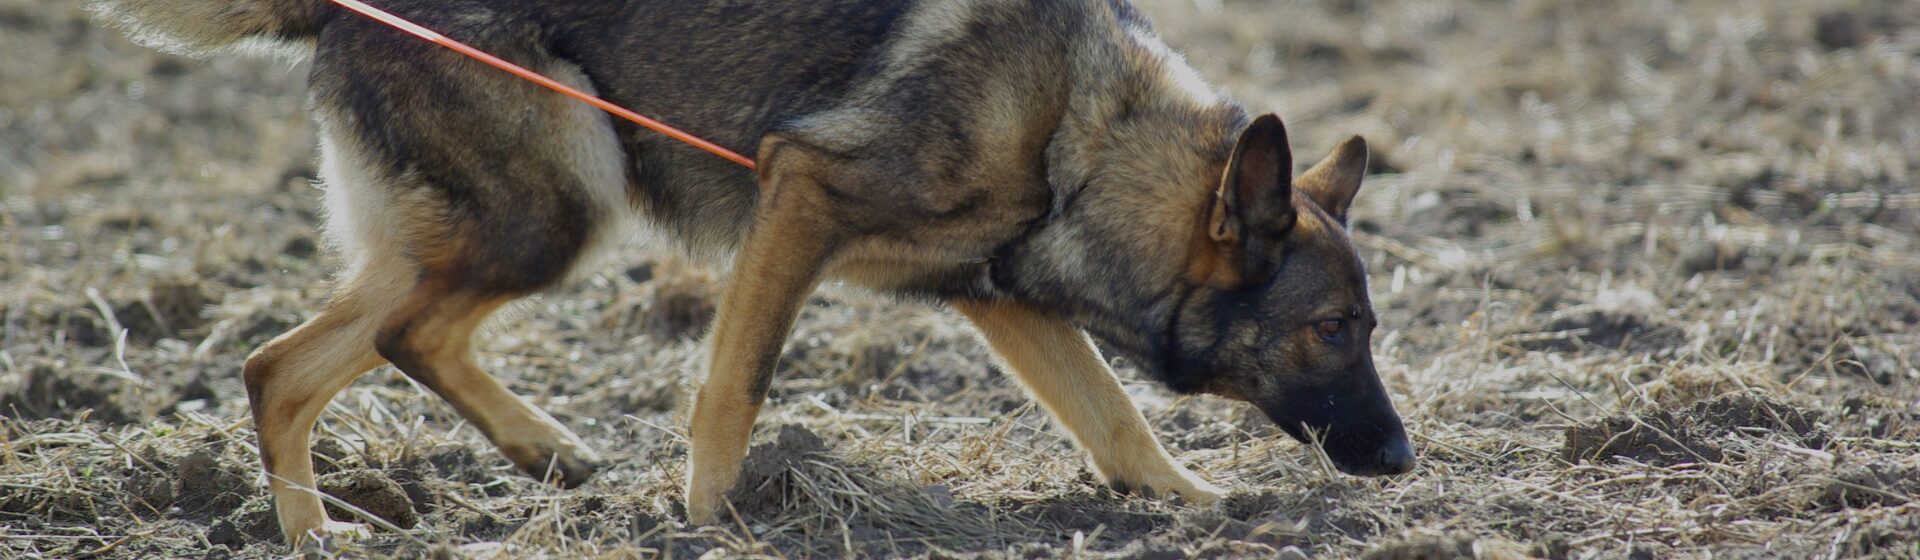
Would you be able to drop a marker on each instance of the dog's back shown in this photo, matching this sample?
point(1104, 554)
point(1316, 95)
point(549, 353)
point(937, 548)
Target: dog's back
point(728, 71)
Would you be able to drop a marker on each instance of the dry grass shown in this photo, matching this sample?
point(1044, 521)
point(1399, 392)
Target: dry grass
point(1648, 275)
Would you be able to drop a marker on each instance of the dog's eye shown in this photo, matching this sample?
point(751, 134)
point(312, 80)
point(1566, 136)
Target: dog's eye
point(1331, 330)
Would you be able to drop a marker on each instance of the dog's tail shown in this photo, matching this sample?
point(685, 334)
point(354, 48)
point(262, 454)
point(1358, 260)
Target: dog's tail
point(199, 27)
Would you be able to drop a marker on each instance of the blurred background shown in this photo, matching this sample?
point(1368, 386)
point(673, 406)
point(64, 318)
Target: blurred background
point(1648, 275)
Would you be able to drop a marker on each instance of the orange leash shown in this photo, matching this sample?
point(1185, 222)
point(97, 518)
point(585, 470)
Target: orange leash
point(416, 30)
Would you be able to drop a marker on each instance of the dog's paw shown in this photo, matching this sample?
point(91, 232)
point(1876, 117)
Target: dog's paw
point(565, 464)
point(1181, 484)
point(329, 537)
point(703, 509)
point(1201, 492)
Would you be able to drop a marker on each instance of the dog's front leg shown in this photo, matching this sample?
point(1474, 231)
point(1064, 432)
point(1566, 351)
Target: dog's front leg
point(778, 265)
point(1060, 365)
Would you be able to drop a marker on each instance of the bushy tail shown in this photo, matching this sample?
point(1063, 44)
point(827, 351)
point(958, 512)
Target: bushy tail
point(198, 27)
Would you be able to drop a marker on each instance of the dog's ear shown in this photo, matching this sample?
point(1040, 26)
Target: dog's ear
point(1256, 194)
point(1333, 182)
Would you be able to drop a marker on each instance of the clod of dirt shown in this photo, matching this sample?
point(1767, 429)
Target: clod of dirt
point(301, 248)
point(1886, 538)
point(1276, 531)
point(329, 456)
point(197, 389)
point(1871, 485)
point(1083, 512)
point(151, 489)
point(764, 484)
point(1244, 505)
point(205, 485)
point(1674, 436)
point(679, 311)
point(487, 527)
point(1711, 257)
point(1190, 433)
point(459, 464)
point(415, 485)
point(1553, 547)
point(1882, 366)
point(1758, 411)
point(643, 523)
point(167, 310)
point(646, 530)
point(262, 327)
point(253, 522)
point(676, 302)
point(48, 393)
point(1608, 329)
point(1881, 418)
point(1643, 552)
point(911, 371)
point(371, 490)
point(1839, 30)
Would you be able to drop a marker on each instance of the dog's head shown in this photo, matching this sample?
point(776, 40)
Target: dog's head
point(1276, 311)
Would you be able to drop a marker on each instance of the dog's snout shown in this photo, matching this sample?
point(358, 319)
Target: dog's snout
point(1390, 457)
point(1396, 457)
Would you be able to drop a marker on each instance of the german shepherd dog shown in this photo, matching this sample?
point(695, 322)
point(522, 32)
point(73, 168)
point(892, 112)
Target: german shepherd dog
point(1048, 168)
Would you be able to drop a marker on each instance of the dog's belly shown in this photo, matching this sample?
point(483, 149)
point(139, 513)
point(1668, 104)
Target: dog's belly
point(912, 277)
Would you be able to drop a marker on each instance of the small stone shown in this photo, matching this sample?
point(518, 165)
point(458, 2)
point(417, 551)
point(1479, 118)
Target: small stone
point(1840, 30)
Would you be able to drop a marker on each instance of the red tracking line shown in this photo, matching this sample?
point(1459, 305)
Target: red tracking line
point(416, 30)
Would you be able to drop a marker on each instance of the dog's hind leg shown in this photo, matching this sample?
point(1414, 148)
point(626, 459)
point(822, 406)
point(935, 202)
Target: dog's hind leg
point(1063, 369)
point(495, 189)
point(452, 190)
point(430, 338)
point(291, 379)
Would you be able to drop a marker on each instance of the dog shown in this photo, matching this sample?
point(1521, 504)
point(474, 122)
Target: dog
point(1050, 169)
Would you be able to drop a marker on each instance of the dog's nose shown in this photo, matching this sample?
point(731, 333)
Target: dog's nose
point(1397, 457)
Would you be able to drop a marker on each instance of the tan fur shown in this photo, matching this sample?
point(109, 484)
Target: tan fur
point(390, 230)
point(1212, 263)
point(440, 324)
point(771, 278)
point(291, 379)
point(1062, 368)
point(1332, 183)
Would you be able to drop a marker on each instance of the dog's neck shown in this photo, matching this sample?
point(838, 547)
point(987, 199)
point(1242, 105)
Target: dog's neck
point(1132, 167)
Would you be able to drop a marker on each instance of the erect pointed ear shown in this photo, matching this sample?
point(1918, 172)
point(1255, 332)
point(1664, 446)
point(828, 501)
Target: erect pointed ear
point(1255, 194)
point(1333, 182)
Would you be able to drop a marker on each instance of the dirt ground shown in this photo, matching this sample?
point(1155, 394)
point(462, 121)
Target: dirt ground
point(1648, 274)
